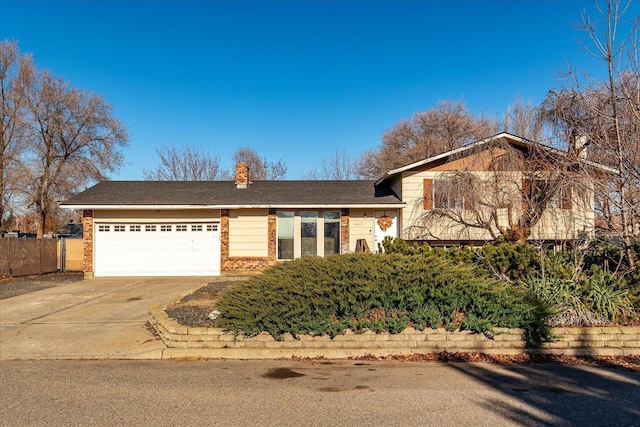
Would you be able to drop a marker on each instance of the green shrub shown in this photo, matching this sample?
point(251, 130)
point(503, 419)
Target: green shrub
point(375, 292)
point(508, 261)
point(600, 299)
point(500, 259)
point(576, 283)
point(608, 296)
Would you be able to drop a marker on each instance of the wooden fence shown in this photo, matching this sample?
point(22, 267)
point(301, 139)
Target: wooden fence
point(22, 257)
point(70, 254)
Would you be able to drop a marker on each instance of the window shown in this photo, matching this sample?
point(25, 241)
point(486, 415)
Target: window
point(149, 228)
point(196, 227)
point(285, 228)
point(444, 198)
point(165, 227)
point(181, 227)
point(104, 228)
point(119, 228)
point(538, 191)
point(560, 200)
point(212, 227)
point(134, 228)
point(309, 233)
point(331, 233)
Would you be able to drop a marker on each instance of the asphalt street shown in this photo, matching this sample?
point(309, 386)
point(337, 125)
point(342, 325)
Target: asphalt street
point(313, 393)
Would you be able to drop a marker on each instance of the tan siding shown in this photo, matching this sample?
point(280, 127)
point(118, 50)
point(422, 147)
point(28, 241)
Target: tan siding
point(555, 223)
point(249, 233)
point(412, 195)
point(361, 228)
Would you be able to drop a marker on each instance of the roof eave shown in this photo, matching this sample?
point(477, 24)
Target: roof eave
point(258, 206)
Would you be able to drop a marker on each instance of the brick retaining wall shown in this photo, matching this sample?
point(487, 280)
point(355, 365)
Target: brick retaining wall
point(215, 343)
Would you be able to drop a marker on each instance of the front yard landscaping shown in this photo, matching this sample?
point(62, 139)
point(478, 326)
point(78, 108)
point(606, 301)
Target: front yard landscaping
point(193, 310)
point(498, 286)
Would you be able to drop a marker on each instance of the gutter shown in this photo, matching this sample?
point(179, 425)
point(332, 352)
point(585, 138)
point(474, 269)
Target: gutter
point(194, 207)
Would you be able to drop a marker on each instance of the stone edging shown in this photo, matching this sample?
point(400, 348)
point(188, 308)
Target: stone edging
point(183, 341)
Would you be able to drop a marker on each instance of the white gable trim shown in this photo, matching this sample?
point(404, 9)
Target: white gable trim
point(512, 138)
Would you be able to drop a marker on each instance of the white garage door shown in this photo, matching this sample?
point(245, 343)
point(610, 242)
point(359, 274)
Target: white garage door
point(161, 249)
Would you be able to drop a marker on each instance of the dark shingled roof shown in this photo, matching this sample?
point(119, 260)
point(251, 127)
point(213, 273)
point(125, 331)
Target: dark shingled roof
point(225, 193)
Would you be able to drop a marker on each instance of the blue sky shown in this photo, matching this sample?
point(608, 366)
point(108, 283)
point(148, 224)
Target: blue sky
point(296, 80)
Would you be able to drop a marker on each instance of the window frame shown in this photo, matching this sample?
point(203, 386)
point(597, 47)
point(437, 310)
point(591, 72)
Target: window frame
point(445, 200)
point(279, 227)
point(322, 219)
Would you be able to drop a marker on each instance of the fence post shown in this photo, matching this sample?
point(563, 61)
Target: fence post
point(63, 254)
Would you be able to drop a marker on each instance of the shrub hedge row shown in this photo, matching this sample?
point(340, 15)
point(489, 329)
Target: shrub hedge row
point(498, 285)
point(380, 293)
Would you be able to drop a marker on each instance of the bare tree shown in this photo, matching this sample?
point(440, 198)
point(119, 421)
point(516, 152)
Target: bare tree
point(606, 113)
point(73, 139)
point(338, 167)
point(16, 74)
point(447, 126)
point(259, 168)
point(523, 119)
point(186, 164)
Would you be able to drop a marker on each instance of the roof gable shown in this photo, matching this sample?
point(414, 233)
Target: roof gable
point(438, 162)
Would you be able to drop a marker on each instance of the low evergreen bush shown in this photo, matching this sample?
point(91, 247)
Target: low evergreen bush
point(378, 292)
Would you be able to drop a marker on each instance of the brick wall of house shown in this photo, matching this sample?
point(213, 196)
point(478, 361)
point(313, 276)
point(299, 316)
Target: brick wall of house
point(344, 231)
point(272, 235)
point(87, 236)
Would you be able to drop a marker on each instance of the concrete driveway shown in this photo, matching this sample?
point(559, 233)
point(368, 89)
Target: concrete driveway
point(95, 318)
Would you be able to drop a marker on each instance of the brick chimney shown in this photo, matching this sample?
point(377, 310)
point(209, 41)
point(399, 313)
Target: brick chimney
point(242, 175)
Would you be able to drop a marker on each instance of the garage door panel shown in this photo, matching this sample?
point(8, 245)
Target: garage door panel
point(157, 250)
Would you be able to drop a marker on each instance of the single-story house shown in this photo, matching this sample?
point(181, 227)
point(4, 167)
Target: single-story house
point(154, 228)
